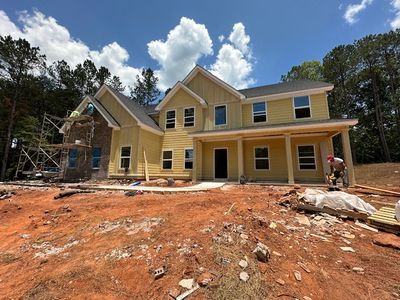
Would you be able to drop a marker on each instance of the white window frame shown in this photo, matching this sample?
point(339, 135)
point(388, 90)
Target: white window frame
point(298, 158)
point(121, 157)
point(187, 160)
point(166, 120)
point(266, 112)
point(168, 159)
point(226, 115)
point(255, 158)
point(194, 117)
point(308, 106)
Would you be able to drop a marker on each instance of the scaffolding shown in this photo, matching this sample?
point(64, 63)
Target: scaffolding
point(49, 157)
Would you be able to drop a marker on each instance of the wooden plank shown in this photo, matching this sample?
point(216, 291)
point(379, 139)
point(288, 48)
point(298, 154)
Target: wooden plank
point(379, 218)
point(146, 169)
point(388, 209)
point(376, 189)
point(385, 214)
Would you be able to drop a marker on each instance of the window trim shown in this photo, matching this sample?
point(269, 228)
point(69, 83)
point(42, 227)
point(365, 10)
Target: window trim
point(298, 158)
point(162, 159)
point(184, 158)
point(76, 159)
point(266, 112)
point(254, 158)
point(226, 115)
point(294, 107)
point(165, 125)
point(194, 117)
point(120, 157)
point(93, 168)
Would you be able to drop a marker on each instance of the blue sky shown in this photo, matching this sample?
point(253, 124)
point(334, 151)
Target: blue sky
point(282, 33)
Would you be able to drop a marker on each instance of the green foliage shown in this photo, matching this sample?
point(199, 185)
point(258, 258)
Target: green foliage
point(307, 70)
point(145, 91)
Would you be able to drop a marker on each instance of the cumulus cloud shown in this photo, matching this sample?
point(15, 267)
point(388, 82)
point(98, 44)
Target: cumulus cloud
point(234, 62)
point(395, 23)
point(221, 38)
point(55, 41)
point(179, 53)
point(352, 10)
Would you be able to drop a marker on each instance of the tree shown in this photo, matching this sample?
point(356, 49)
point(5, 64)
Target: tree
point(145, 91)
point(116, 83)
point(18, 61)
point(307, 70)
point(102, 75)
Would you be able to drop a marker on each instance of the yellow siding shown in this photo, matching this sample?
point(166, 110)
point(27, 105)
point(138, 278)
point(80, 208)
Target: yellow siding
point(151, 144)
point(277, 160)
point(176, 139)
point(281, 111)
point(116, 110)
point(208, 159)
point(127, 136)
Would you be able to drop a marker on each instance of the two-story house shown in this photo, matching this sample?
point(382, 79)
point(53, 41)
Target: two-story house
point(204, 129)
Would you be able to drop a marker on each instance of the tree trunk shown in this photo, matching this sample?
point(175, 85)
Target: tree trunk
point(9, 134)
point(378, 116)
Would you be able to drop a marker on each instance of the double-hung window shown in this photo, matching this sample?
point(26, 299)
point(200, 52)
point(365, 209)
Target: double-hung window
point(188, 159)
point(167, 159)
point(72, 158)
point(302, 107)
point(220, 115)
point(261, 158)
point(306, 155)
point(125, 161)
point(259, 112)
point(170, 116)
point(96, 156)
point(188, 117)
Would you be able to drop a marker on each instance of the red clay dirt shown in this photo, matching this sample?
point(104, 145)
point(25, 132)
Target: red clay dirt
point(107, 245)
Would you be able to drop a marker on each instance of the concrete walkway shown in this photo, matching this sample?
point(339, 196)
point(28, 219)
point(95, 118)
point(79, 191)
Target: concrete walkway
point(201, 187)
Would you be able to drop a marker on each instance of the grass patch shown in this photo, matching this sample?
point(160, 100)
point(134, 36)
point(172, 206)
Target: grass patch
point(228, 285)
point(8, 257)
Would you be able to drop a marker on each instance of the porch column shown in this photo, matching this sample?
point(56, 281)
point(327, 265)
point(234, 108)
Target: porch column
point(347, 155)
point(289, 159)
point(197, 159)
point(240, 157)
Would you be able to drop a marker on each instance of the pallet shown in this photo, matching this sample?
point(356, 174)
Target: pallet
point(385, 220)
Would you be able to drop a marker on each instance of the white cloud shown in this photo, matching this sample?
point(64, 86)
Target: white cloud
point(395, 23)
point(352, 10)
point(234, 62)
point(55, 41)
point(179, 53)
point(221, 38)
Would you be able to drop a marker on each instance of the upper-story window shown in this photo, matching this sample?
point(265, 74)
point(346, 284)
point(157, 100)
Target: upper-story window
point(170, 116)
point(302, 107)
point(259, 112)
point(220, 115)
point(188, 117)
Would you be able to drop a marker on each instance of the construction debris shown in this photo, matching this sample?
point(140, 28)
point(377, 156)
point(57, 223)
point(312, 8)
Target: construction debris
point(158, 273)
point(187, 293)
point(347, 249)
point(6, 194)
point(262, 252)
point(297, 275)
point(365, 226)
point(73, 192)
point(244, 276)
point(187, 283)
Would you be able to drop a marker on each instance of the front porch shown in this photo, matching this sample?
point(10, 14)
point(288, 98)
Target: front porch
point(294, 153)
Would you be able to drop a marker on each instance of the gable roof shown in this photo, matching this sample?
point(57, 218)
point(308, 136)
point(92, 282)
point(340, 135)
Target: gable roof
point(286, 87)
point(206, 73)
point(134, 109)
point(104, 112)
point(179, 85)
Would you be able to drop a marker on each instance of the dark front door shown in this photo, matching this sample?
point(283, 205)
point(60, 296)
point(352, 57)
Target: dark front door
point(221, 163)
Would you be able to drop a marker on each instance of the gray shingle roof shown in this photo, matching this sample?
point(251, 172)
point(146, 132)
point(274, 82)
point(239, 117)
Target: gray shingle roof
point(284, 87)
point(136, 109)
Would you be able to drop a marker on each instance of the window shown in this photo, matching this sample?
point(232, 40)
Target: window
point(188, 117)
point(261, 159)
point(306, 157)
point(259, 112)
point(72, 158)
point(170, 119)
point(96, 156)
point(188, 159)
point(125, 157)
point(167, 159)
point(302, 107)
point(220, 115)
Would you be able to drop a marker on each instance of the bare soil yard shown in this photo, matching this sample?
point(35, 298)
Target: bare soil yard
point(107, 245)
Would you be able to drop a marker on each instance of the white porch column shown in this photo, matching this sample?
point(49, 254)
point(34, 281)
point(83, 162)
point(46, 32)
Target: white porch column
point(347, 155)
point(240, 158)
point(195, 155)
point(289, 158)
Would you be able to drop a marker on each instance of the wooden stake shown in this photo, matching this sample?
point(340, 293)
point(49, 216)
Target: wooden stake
point(376, 189)
point(146, 170)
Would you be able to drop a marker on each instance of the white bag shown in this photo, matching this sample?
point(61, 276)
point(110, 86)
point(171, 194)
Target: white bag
point(397, 210)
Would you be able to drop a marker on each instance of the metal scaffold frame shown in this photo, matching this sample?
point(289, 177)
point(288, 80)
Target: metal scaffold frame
point(49, 157)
